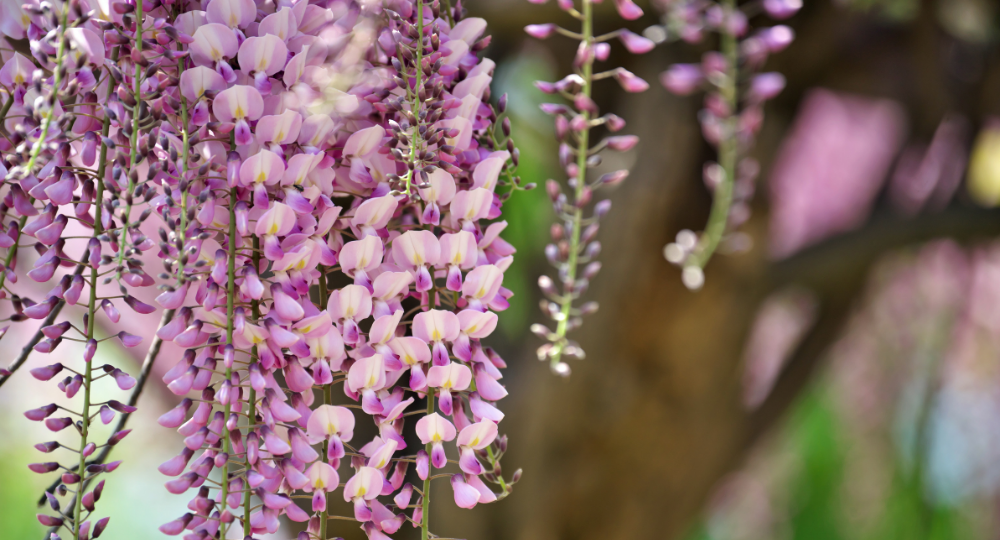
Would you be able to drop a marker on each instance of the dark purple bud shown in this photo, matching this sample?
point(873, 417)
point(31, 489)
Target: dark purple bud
point(49, 521)
point(117, 437)
point(47, 447)
point(41, 413)
point(70, 478)
point(176, 526)
point(56, 330)
point(101, 525)
point(58, 424)
point(139, 307)
point(42, 468)
point(88, 501)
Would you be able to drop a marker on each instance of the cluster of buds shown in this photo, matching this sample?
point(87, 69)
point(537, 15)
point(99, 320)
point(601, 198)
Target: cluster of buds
point(78, 130)
point(280, 188)
point(733, 113)
point(288, 149)
point(574, 248)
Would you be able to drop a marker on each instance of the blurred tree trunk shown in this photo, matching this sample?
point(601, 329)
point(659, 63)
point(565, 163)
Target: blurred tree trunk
point(631, 446)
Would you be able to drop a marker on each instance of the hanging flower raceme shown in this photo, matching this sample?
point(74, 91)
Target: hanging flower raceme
point(83, 125)
point(574, 249)
point(374, 155)
point(733, 113)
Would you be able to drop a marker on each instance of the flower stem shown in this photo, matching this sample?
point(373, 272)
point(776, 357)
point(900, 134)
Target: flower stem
point(325, 398)
point(426, 511)
point(230, 309)
point(583, 148)
point(252, 398)
point(728, 153)
point(92, 303)
point(135, 156)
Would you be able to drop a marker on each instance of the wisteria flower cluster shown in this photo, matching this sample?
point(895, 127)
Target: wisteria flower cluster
point(327, 177)
point(574, 248)
point(733, 113)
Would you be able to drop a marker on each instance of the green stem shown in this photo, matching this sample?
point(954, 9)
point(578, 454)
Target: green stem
point(92, 306)
point(583, 148)
point(493, 463)
point(252, 411)
point(134, 156)
point(416, 104)
point(230, 309)
point(426, 509)
point(728, 154)
point(449, 16)
point(56, 83)
point(184, 169)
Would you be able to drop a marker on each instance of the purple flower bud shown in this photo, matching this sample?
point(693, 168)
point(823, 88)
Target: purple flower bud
point(682, 79)
point(89, 350)
point(630, 82)
point(777, 38)
point(782, 9)
point(56, 330)
point(42, 468)
point(129, 341)
point(554, 108)
point(584, 54)
point(176, 526)
point(117, 437)
point(124, 380)
point(614, 122)
point(89, 500)
point(101, 525)
point(47, 447)
point(41, 309)
point(49, 521)
point(540, 31)
point(628, 10)
point(423, 464)
point(233, 169)
point(614, 178)
point(623, 143)
point(107, 415)
point(139, 307)
point(584, 103)
point(175, 417)
point(635, 43)
point(766, 86)
point(41, 413)
point(58, 424)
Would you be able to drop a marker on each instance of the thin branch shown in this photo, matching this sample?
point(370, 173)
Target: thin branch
point(147, 368)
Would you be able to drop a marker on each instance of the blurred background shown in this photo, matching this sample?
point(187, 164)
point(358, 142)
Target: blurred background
point(839, 380)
